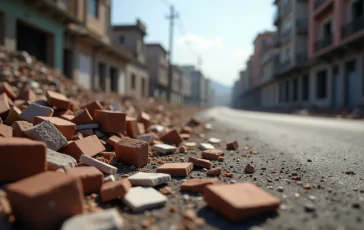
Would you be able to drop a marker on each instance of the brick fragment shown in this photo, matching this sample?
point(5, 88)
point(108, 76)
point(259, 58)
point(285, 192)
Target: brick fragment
point(114, 190)
point(198, 185)
point(132, 127)
point(239, 201)
point(91, 178)
point(202, 163)
point(90, 146)
point(27, 95)
point(67, 117)
point(45, 200)
point(92, 106)
point(66, 128)
point(4, 104)
point(132, 151)
point(145, 119)
point(175, 169)
point(186, 130)
point(232, 145)
point(34, 110)
point(5, 208)
point(21, 158)
point(6, 88)
point(19, 128)
point(113, 140)
point(57, 100)
point(212, 154)
point(83, 117)
point(141, 128)
point(172, 137)
point(110, 121)
point(13, 115)
point(214, 171)
point(86, 132)
point(56, 160)
point(6, 131)
point(250, 168)
point(48, 133)
point(185, 136)
point(103, 167)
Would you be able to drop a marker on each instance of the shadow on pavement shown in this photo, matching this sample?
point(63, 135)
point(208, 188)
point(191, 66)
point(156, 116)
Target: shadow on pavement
point(217, 220)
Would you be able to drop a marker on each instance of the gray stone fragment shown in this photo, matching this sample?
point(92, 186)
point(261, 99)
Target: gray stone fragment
point(108, 219)
point(56, 160)
point(34, 110)
point(48, 133)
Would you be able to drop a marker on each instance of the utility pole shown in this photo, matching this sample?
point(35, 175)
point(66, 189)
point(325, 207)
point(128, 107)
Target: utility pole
point(173, 15)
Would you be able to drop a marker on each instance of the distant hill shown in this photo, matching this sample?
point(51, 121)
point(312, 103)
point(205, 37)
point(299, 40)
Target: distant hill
point(222, 93)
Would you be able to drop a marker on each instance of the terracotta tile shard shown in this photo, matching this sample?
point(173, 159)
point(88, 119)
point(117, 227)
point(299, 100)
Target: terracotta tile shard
point(132, 151)
point(56, 160)
point(6, 88)
point(166, 190)
point(212, 154)
point(113, 140)
point(57, 100)
point(149, 179)
point(114, 190)
point(249, 168)
point(240, 201)
point(92, 106)
point(83, 117)
point(103, 167)
point(214, 171)
point(176, 169)
point(34, 110)
point(56, 197)
point(198, 185)
point(4, 104)
point(163, 148)
point(140, 199)
point(48, 133)
point(91, 178)
point(172, 137)
point(66, 128)
point(90, 146)
point(232, 145)
point(200, 162)
point(27, 95)
point(13, 115)
point(21, 158)
point(19, 127)
point(132, 127)
point(6, 131)
point(110, 121)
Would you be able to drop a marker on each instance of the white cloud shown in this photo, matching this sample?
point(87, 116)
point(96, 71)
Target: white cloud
point(198, 42)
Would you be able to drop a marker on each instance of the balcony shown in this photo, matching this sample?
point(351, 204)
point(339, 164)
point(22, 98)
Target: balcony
point(352, 27)
point(281, 67)
point(319, 3)
point(62, 10)
point(286, 35)
point(302, 26)
point(323, 43)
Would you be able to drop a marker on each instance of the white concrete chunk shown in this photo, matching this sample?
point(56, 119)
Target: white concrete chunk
point(190, 145)
point(149, 179)
point(56, 160)
point(87, 126)
point(109, 178)
point(146, 137)
point(108, 219)
point(140, 199)
point(214, 140)
point(164, 148)
point(156, 128)
point(34, 110)
point(48, 133)
point(208, 126)
point(103, 167)
point(206, 146)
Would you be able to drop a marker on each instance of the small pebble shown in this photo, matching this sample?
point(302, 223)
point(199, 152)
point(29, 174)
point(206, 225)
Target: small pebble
point(280, 189)
point(310, 207)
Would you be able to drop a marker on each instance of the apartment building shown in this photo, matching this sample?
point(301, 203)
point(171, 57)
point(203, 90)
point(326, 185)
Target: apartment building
point(137, 76)
point(176, 94)
point(157, 66)
point(197, 85)
point(186, 87)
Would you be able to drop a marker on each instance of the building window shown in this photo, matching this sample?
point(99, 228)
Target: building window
point(321, 86)
point(287, 97)
point(295, 89)
point(121, 39)
point(93, 8)
point(133, 81)
point(305, 88)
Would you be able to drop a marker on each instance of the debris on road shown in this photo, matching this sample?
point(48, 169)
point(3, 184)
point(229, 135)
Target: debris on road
point(198, 185)
point(232, 145)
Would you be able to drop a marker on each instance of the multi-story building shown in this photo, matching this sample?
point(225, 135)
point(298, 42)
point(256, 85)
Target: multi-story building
point(186, 87)
point(176, 92)
point(137, 76)
point(197, 82)
point(157, 65)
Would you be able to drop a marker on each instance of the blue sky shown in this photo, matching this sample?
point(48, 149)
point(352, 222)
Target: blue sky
point(220, 31)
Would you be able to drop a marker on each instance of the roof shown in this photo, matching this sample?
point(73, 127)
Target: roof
point(157, 45)
point(139, 26)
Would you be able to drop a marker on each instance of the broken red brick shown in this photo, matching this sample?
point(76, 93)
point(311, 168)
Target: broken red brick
point(232, 145)
point(27, 95)
point(145, 119)
point(239, 201)
point(6, 88)
point(57, 100)
point(175, 169)
point(212, 154)
point(132, 151)
point(202, 163)
point(83, 117)
point(91, 178)
point(45, 200)
point(6, 131)
point(90, 146)
point(166, 190)
point(110, 121)
point(141, 128)
point(186, 130)
point(21, 158)
point(92, 106)
point(172, 137)
point(66, 128)
point(13, 115)
point(4, 104)
point(307, 186)
point(19, 127)
point(132, 127)
point(198, 185)
point(67, 117)
point(249, 168)
point(86, 132)
point(114, 190)
point(113, 140)
point(214, 171)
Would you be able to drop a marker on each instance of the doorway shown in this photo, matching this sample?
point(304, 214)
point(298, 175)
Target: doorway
point(113, 80)
point(349, 84)
point(335, 87)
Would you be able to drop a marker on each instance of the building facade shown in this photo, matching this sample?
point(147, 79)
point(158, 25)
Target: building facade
point(197, 85)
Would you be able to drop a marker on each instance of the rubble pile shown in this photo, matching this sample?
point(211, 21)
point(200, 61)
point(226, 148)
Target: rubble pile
point(64, 148)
